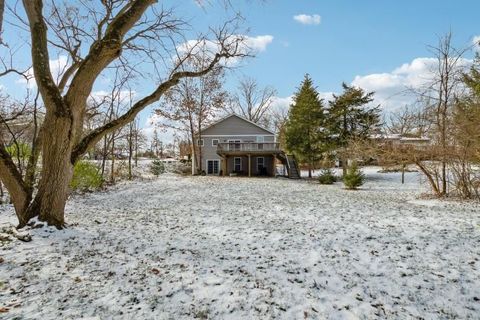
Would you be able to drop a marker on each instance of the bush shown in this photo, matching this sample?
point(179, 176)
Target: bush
point(22, 151)
point(86, 177)
point(327, 177)
point(354, 177)
point(182, 168)
point(157, 167)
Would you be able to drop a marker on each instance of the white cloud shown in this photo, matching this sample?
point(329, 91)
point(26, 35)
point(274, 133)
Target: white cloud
point(123, 95)
point(156, 123)
point(326, 96)
point(281, 105)
point(476, 42)
point(248, 45)
point(393, 89)
point(258, 43)
point(307, 19)
point(57, 68)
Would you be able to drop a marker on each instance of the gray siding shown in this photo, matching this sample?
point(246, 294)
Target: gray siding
point(209, 152)
point(234, 125)
point(235, 128)
point(269, 164)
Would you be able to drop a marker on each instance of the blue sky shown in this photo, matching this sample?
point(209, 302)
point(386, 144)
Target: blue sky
point(378, 45)
point(353, 37)
point(381, 46)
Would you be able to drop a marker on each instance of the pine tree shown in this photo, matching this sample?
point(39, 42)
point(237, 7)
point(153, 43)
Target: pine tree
point(354, 177)
point(350, 118)
point(304, 133)
point(157, 167)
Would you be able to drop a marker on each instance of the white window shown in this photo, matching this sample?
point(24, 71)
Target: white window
point(260, 164)
point(214, 142)
point(237, 164)
point(213, 166)
point(200, 142)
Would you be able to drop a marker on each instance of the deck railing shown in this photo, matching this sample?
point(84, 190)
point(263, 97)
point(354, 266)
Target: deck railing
point(248, 147)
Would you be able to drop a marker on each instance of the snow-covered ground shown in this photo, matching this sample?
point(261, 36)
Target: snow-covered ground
point(238, 248)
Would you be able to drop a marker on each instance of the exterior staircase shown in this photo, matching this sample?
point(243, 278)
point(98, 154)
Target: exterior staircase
point(292, 166)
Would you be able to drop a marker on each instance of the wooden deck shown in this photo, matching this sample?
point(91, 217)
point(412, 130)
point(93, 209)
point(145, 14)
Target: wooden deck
point(248, 148)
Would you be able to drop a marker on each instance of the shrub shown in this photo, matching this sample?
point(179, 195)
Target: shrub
point(121, 169)
point(354, 177)
point(326, 177)
point(157, 167)
point(86, 176)
point(22, 150)
point(182, 168)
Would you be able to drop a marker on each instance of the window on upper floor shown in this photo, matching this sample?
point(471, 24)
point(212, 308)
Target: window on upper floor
point(200, 142)
point(214, 142)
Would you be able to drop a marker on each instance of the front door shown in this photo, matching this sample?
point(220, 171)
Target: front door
point(260, 164)
point(213, 167)
point(237, 164)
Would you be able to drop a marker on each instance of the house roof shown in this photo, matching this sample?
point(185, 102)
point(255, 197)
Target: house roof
point(239, 117)
point(399, 137)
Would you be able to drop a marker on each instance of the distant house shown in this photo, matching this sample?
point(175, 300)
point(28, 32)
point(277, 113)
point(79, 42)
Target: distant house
point(169, 160)
point(237, 146)
point(398, 140)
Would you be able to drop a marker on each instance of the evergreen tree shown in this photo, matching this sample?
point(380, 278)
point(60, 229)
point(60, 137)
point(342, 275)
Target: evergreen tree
point(350, 118)
point(157, 167)
point(304, 133)
point(354, 177)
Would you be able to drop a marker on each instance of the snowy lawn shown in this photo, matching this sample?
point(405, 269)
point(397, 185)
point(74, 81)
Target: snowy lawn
point(238, 248)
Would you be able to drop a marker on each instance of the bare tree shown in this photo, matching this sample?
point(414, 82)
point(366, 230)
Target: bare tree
point(252, 102)
point(133, 132)
point(439, 98)
point(194, 103)
point(20, 137)
point(408, 121)
point(449, 117)
point(123, 31)
point(279, 119)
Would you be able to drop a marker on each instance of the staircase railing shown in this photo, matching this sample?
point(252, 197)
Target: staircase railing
point(288, 165)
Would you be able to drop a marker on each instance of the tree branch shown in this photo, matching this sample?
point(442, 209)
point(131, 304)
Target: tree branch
point(40, 58)
point(93, 137)
point(104, 51)
point(13, 180)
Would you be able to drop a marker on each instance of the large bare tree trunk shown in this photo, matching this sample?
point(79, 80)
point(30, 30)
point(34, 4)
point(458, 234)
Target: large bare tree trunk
point(56, 174)
point(64, 141)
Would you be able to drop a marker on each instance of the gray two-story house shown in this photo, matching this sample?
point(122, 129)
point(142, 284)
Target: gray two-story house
point(237, 146)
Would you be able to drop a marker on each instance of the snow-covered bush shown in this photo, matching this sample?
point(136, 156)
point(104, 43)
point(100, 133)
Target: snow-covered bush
point(86, 176)
point(157, 167)
point(354, 177)
point(182, 168)
point(326, 176)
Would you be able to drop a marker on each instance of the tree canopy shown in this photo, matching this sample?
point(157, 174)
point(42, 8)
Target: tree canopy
point(304, 131)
